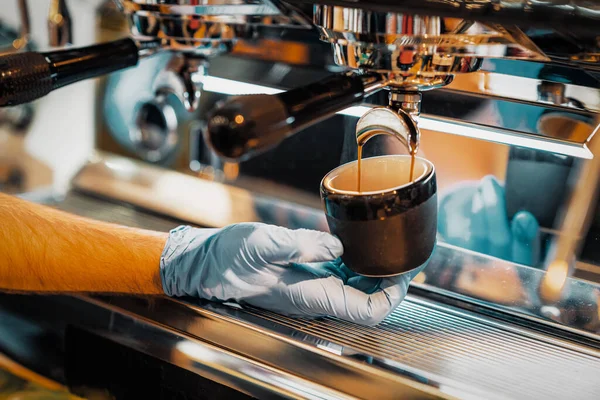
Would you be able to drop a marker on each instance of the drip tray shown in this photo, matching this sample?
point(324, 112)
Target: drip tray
point(452, 347)
point(459, 349)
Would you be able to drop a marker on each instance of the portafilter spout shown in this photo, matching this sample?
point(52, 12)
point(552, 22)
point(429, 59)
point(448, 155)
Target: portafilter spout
point(385, 121)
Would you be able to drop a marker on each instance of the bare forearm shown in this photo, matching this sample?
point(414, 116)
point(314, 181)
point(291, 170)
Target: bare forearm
point(45, 250)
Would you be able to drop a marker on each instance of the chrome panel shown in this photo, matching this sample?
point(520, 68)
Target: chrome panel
point(215, 363)
point(514, 290)
point(209, 28)
point(424, 350)
point(492, 82)
point(279, 363)
point(360, 29)
point(558, 129)
point(522, 121)
point(248, 362)
point(537, 126)
point(510, 99)
point(575, 17)
point(451, 347)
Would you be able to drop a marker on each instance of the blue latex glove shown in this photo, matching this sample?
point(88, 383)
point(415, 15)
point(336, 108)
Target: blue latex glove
point(474, 217)
point(292, 272)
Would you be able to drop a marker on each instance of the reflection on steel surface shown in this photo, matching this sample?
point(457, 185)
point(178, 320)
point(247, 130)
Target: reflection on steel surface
point(515, 289)
point(385, 121)
point(246, 356)
point(575, 222)
point(578, 18)
point(419, 33)
point(195, 353)
point(473, 277)
point(207, 29)
point(23, 41)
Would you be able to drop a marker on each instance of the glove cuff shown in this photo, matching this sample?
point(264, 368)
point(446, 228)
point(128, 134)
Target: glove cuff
point(177, 262)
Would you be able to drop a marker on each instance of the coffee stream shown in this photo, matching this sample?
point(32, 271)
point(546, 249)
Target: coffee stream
point(360, 149)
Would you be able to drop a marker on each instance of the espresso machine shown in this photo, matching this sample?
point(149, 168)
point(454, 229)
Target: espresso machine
point(224, 111)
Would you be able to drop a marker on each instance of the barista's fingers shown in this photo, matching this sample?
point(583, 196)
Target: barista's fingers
point(364, 284)
point(371, 309)
point(370, 285)
point(331, 297)
point(283, 246)
point(323, 269)
point(525, 238)
point(493, 206)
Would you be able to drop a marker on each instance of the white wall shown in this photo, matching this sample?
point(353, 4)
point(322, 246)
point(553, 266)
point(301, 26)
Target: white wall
point(62, 134)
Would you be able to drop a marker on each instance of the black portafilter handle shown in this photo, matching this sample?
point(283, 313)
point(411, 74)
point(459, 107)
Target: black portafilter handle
point(25, 77)
point(247, 125)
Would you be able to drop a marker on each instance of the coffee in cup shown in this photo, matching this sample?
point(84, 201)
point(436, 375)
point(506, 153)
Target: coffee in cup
point(388, 227)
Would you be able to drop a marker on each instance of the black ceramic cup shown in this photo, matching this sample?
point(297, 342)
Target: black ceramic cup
point(385, 231)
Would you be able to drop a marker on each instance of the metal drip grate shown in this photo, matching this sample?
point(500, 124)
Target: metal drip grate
point(462, 350)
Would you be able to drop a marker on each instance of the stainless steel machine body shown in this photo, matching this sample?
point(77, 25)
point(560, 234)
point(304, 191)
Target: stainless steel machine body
point(509, 88)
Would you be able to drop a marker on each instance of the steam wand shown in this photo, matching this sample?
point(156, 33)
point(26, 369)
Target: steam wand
point(27, 76)
point(246, 125)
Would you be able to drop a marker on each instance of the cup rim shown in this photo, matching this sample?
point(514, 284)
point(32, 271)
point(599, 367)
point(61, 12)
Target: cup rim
point(421, 179)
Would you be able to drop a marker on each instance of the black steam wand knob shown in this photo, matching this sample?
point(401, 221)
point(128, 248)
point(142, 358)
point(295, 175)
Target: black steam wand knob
point(25, 77)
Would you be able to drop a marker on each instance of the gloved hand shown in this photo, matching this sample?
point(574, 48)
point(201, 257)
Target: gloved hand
point(474, 217)
point(292, 272)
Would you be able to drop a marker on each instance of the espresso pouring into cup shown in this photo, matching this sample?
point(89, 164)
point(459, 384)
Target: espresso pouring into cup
point(388, 226)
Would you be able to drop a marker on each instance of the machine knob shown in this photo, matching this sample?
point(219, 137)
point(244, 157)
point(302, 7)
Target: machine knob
point(155, 136)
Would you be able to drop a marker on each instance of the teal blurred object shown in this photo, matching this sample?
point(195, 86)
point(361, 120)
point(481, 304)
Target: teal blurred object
point(474, 217)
